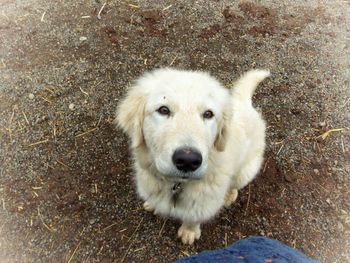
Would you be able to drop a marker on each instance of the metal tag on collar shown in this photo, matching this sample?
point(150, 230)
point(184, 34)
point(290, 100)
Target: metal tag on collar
point(176, 190)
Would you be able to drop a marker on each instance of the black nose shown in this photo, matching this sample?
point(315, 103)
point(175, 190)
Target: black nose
point(187, 160)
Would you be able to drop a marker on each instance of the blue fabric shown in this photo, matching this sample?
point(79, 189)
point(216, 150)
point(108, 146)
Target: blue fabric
point(251, 250)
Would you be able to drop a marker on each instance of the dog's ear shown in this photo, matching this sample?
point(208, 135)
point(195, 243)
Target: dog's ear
point(130, 115)
point(222, 136)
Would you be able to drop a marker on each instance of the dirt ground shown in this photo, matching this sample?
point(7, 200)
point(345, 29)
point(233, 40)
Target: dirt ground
point(66, 188)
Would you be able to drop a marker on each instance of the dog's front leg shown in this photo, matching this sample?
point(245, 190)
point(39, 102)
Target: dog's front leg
point(231, 197)
point(189, 232)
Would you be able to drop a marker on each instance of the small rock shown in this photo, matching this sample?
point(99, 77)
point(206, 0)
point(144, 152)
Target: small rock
point(92, 221)
point(151, 16)
point(83, 38)
point(295, 111)
point(316, 171)
point(340, 226)
point(322, 124)
point(289, 177)
point(71, 106)
point(328, 201)
point(41, 119)
point(31, 96)
point(110, 30)
point(114, 40)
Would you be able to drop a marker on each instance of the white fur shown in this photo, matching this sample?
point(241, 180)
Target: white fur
point(232, 143)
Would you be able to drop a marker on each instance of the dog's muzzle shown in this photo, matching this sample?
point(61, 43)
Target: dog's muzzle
point(187, 160)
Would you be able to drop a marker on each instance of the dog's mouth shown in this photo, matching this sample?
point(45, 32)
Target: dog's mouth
point(182, 177)
point(175, 174)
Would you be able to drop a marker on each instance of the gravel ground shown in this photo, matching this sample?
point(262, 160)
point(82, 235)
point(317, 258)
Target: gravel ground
point(66, 189)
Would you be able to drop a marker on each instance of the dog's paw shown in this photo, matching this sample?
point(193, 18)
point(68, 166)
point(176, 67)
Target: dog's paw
point(189, 234)
point(148, 207)
point(231, 197)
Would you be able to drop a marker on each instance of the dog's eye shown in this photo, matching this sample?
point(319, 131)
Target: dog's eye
point(208, 114)
point(164, 110)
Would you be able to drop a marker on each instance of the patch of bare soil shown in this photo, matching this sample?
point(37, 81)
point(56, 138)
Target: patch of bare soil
point(66, 186)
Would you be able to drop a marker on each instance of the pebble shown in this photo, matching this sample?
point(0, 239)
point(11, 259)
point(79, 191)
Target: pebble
point(340, 226)
point(71, 106)
point(41, 119)
point(322, 124)
point(83, 38)
point(289, 177)
point(31, 96)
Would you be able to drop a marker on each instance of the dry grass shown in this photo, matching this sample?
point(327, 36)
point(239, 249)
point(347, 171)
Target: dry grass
point(131, 243)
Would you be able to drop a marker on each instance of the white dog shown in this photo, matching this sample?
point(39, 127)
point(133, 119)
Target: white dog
point(194, 142)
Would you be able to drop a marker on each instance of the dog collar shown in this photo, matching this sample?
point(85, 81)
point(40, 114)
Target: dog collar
point(176, 191)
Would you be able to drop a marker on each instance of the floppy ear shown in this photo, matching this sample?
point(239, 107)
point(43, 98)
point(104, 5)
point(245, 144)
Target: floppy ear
point(130, 115)
point(222, 136)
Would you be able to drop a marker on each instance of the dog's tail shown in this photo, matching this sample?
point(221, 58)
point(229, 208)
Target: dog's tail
point(246, 84)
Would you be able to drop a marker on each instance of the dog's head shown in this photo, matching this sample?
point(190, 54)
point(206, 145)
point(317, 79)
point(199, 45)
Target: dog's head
point(179, 117)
